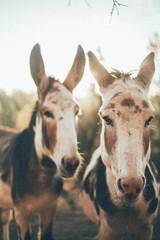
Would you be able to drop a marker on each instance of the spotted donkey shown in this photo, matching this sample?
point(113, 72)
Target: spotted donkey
point(119, 186)
point(32, 161)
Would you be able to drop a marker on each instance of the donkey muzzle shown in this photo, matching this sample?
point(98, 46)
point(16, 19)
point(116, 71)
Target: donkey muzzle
point(68, 166)
point(131, 187)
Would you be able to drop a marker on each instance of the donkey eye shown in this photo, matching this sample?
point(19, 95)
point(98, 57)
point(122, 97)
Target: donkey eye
point(148, 121)
point(48, 114)
point(76, 110)
point(108, 121)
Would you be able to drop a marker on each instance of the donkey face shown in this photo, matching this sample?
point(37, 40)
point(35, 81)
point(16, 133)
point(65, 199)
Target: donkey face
point(126, 114)
point(55, 129)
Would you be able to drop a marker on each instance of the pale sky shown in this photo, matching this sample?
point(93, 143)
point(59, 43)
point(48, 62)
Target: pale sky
point(59, 28)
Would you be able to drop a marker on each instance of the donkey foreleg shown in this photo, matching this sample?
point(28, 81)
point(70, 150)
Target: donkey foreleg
point(4, 216)
point(23, 221)
point(47, 219)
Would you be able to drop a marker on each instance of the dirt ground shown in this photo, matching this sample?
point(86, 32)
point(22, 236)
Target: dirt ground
point(71, 224)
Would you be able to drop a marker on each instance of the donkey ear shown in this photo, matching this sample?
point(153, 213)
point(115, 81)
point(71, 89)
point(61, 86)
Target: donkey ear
point(76, 72)
point(38, 69)
point(146, 72)
point(103, 77)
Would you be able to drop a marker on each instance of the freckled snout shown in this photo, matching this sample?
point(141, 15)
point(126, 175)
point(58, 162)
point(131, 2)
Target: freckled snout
point(69, 166)
point(131, 187)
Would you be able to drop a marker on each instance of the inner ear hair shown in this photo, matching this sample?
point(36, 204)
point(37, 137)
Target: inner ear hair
point(146, 71)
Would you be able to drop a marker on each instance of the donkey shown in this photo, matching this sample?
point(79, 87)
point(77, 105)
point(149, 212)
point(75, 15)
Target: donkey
point(120, 192)
point(33, 162)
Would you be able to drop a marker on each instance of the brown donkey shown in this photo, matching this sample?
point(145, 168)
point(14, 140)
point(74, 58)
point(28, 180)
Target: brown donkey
point(119, 188)
point(33, 161)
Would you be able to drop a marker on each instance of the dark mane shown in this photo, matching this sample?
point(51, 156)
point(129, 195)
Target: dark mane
point(121, 75)
point(34, 114)
point(52, 79)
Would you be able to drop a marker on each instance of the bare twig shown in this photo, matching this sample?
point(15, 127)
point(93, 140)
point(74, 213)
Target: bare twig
point(116, 4)
point(87, 3)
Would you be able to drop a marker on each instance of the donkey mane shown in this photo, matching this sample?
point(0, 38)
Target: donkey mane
point(121, 74)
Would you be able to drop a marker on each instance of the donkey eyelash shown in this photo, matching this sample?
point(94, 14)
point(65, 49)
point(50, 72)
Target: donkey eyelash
point(108, 120)
point(147, 123)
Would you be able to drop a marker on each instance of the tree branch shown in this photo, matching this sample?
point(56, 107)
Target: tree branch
point(115, 6)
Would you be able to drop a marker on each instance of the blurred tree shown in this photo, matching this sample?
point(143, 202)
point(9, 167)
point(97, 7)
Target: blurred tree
point(23, 104)
point(6, 110)
point(154, 46)
point(155, 132)
point(89, 127)
point(15, 109)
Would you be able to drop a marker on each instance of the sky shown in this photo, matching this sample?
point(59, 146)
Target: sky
point(59, 27)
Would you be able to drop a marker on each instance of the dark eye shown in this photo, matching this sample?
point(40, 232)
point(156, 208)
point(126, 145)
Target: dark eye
point(76, 110)
point(108, 121)
point(48, 114)
point(76, 113)
point(148, 121)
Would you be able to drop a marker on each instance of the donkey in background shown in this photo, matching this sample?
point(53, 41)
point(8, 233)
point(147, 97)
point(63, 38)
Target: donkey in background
point(120, 191)
point(33, 161)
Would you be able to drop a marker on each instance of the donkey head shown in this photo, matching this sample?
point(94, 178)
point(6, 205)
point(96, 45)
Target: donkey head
point(126, 114)
point(55, 129)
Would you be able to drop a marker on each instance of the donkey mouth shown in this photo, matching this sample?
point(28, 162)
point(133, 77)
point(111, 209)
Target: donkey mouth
point(66, 174)
point(131, 197)
point(128, 199)
point(68, 168)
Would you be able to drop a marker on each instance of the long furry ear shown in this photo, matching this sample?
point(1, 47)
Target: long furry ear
point(146, 72)
point(103, 77)
point(38, 69)
point(76, 72)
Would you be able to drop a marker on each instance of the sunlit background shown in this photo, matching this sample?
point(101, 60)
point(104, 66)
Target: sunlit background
point(59, 26)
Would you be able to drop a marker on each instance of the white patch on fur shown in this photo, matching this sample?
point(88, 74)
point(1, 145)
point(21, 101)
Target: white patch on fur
point(130, 148)
point(62, 105)
point(92, 163)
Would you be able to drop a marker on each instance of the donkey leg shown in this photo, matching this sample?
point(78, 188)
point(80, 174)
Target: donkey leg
point(23, 221)
point(35, 227)
point(4, 216)
point(47, 219)
point(1, 226)
point(13, 227)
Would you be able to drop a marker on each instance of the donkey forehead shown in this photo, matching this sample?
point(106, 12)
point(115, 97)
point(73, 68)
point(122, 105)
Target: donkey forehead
point(127, 100)
point(60, 96)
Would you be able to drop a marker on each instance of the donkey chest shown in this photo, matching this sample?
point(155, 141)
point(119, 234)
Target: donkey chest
point(5, 195)
point(128, 220)
point(32, 204)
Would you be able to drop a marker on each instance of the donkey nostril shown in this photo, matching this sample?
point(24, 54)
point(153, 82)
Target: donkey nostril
point(69, 166)
point(76, 164)
point(63, 162)
point(120, 186)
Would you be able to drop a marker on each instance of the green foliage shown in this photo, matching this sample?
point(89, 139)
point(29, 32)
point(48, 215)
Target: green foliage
point(155, 132)
point(6, 110)
point(154, 46)
point(89, 127)
point(11, 106)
